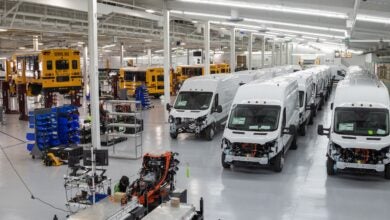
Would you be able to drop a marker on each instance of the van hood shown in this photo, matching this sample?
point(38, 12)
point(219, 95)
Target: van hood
point(194, 114)
point(365, 142)
point(253, 137)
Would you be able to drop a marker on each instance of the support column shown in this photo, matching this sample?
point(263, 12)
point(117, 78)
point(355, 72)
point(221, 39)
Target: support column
point(85, 76)
point(286, 47)
point(273, 53)
point(262, 51)
point(291, 54)
point(206, 34)
point(280, 54)
point(122, 54)
point(93, 72)
point(233, 50)
point(167, 56)
point(35, 43)
point(250, 42)
point(188, 56)
point(149, 57)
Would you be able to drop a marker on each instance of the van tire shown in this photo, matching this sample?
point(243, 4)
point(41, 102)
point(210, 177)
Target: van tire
point(224, 164)
point(387, 171)
point(294, 145)
point(210, 132)
point(302, 129)
point(173, 135)
point(330, 170)
point(278, 162)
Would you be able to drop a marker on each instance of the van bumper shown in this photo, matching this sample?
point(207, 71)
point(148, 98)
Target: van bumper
point(376, 167)
point(259, 160)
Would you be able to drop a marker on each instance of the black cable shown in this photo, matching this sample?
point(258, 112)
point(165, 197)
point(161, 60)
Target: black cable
point(26, 186)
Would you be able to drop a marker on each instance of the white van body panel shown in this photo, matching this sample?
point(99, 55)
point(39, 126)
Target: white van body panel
point(225, 85)
point(359, 90)
point(279, 91)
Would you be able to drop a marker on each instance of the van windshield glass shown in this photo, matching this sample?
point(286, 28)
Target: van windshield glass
point(193, 100)
point(254, 117)
point(362, 121)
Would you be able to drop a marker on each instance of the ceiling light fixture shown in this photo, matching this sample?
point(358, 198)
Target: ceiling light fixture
point(373, 19)
point(3, 30)
point(109, 45)
point(151, 11)
point(22, 48)
point(269, 7)
point(306, 33)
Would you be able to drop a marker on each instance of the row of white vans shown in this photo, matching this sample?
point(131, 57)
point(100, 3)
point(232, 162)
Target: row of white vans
point(262, 111)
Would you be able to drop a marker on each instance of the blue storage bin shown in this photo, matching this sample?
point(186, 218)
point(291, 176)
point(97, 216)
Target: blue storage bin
point(30, 147)
point(98, 197)
point(30, 136)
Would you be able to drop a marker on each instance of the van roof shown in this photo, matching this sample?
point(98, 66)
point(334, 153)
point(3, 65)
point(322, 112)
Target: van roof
point(206, 82)
point(302, 77)
point(272, 91)
point(362, 91)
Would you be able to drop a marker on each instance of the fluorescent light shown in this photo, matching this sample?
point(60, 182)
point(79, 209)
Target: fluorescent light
point(308, 54)
point(306, 33)
point(40, 44)
point(151, 11)
point(80, 42)
point(3, 58)
point(3, 30)
point(261, 21)
point(374, 19)
point(22, 48)
point(284, 34)
point(269, 7)
point(109, 45)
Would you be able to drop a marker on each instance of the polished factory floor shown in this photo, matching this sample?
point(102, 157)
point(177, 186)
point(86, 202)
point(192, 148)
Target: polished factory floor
point(301, 191)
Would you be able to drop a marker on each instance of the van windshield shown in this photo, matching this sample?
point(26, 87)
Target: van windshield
point(193, 100)
point(254, 117)
point(362, 121)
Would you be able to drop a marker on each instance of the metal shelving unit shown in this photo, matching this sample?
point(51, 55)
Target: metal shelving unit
point(124, 120)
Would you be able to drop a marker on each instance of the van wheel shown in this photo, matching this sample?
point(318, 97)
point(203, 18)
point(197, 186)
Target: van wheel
point(278, 162)
point(224, 164)
point(294, 145)
point(210, 132)
point(330, 169)
point(311, 119)
point(173, 134)
point(302, 129)
point(387, 171)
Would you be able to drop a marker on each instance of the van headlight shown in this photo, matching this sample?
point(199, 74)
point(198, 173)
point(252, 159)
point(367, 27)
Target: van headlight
point(226, 143)
point(272, 145)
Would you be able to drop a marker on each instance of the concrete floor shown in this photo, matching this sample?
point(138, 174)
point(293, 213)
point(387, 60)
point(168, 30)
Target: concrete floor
point(301, 191)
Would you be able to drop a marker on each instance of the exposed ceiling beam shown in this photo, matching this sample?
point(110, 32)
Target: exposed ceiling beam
point(14, 8)
point(352, 18)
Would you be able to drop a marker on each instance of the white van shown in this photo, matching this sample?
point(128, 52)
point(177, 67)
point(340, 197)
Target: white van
point(359, 131)
point(306, 99)
point(203, 104)
point(262, 124)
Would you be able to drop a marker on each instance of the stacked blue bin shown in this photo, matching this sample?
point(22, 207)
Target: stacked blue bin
point(68, 125)
point(45, 132)
point(142, 95)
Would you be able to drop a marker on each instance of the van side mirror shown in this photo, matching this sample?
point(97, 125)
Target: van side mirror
point(218, 109)
point(331, 106)
point(291, 130)
point(323, 131)
point(168, 107)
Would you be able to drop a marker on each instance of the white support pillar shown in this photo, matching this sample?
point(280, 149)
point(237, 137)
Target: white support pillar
point(262, 51)
point(291, 54)
point(122, 55)
point(280, 54)
point(167, 56)
point(94, 83)
point(287, 50)
point(149, 57)
point(233, 50)
point(273, 53)
point(206, 34)
point(85, 76)
point(188, 56)
point(250, 43)
point(35, 43)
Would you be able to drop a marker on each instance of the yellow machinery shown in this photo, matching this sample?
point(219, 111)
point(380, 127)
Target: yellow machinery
point(52, 70)
point(130, 78)
point(223, 67)
point(214, 69)
point(47, 71)
point(187, 71)
point(155, 81)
